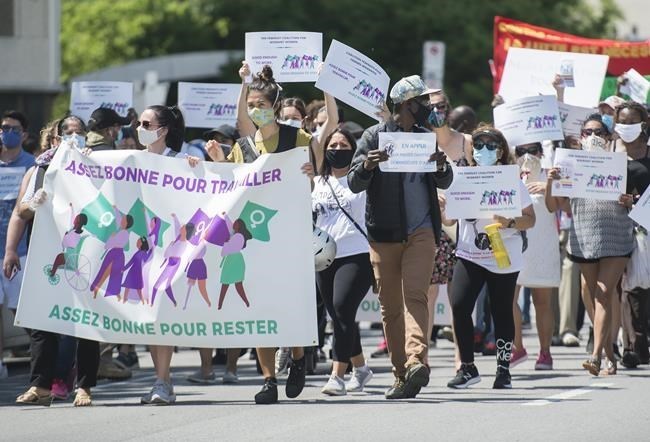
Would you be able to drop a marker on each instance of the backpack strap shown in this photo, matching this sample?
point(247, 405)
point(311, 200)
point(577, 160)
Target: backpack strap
point(248, 149)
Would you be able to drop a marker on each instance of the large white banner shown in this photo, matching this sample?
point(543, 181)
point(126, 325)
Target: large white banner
point(529, 120)
point(594, 175)
point(294, 56)
point(134, 247)
point(482, 192)
point(354, 79)
point(531, 72)
point(208, 105)
point(86, 96)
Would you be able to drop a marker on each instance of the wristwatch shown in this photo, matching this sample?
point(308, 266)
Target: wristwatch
point(512, 223)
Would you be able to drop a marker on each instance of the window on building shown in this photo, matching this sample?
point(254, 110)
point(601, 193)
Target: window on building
point(6, 18)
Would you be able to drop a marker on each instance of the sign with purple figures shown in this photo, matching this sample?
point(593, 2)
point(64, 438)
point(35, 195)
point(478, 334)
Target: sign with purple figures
point(354, 79)
point(482, 192)
point(408, 151)
point(529, 120)
point(572, 118)
point(143, 249)
point(86, 96)
point(294, 56)
point(208, 105)
point(593, 175)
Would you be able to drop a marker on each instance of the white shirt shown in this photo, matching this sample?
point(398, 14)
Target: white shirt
point(473, 244)
point(330, 218)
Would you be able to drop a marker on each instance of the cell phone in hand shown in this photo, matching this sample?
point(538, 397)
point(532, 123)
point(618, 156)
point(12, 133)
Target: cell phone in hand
point(14, 272)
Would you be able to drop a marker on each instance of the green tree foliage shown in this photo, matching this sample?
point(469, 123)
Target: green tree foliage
point(100, 33)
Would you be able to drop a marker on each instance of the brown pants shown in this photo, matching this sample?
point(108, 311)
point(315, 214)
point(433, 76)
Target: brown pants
point(403, 273)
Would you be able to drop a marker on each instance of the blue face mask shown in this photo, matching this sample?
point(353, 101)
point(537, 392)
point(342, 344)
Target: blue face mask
point(485, 157)
point(608, 121)
point(77, 140)
point(11, 139)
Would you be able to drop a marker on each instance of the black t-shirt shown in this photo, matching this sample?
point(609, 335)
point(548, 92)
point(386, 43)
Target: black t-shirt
point(638, 175)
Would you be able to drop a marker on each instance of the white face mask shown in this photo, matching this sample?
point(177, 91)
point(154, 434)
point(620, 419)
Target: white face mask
point(75, 140)
point(293, 123)
point(628, 132)
point(147, 137)
point(530, 167)
point(594, 143)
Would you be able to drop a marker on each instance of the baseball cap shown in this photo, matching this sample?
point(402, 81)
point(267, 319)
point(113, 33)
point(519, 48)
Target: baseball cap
point(103, 117)
point(410, 87)
point(225, 129)
point(612, 101)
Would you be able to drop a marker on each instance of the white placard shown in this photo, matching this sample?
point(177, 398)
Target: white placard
point(641, 211)
point(593, 175)
point(154, 231)
point(354, 79)
point(408, 151)
point(433, 63)
point(530, 72)
point(637, 86)
point(485, 191)
point(294, 56)
point(529, 120)
point(208, 105)
point(86, 96)
point(10, 180)
point(573, 117)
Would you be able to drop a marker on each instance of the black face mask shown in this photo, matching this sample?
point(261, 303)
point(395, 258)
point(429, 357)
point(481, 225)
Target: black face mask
point(420, 116)
point(339, 159)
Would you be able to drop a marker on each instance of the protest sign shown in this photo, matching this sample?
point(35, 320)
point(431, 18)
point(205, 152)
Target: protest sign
point(109, 266)
point(86, 96)
point(10, 180)
point(573, 117)
point(588, 174)
point(529, 72)
point(485, 191)
point(637, 87)
point(408, 151)
point(641, 211)
point(529, 120)
point(354, 79)
point(293, 56)
point(208, 105)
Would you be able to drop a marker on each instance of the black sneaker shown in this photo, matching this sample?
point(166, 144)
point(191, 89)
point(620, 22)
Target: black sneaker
point(398, 390)
point(417, 376)
point(296, 379)
point(503, 379)
point(269, 392)
point(630, 359)
point(381, 352)
point(466, 375)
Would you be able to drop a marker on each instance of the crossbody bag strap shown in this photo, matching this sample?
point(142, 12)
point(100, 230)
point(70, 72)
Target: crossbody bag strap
point(365, 235)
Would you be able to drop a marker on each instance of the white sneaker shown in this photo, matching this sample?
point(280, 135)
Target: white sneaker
point(282, 361)
point(4, 373)
point(163, 393)
point(230, 378)
point(360, 377)
point(334, 387)
point(570, 340)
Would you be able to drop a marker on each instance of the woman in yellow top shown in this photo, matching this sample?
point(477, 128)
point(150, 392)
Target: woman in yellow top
point(263, 101)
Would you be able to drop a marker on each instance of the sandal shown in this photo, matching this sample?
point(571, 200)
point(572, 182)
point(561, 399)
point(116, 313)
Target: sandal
point(610, 368)
point(592, 366)
point(82, 398)
point(31, 397)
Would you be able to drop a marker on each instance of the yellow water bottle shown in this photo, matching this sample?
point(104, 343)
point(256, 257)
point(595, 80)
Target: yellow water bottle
point(498, 249)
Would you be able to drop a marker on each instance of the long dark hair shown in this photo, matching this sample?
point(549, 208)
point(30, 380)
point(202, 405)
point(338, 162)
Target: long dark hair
point(297, 103)
point(326, 167)
point(62, 126)
point(265, 83)
point(241, 228)
point(172, 119)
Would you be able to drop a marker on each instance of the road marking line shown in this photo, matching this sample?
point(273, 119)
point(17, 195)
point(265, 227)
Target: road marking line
point(568, 394)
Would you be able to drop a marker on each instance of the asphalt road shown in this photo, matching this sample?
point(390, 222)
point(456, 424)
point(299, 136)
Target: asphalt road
point(564, 404)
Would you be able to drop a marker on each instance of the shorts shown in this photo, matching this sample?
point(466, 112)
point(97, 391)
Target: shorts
point(580, 260)
point(11, 289)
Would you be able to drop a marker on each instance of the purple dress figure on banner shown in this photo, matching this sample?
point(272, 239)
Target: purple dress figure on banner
point(197, 272)
point(134, 278)
point(153, 237)
point(172, 262)
point(113, 263)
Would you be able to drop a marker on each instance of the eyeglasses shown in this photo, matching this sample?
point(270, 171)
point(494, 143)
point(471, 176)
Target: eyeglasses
point(520, 151)
point(14, 129)
point(147, 124)
point(341, 145)
point(597, 132)
point(490, 146)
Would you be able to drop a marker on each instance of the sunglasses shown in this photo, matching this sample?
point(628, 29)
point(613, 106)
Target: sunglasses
point(597, 132)
point(147, 124)
point(490, 146)
point(8, 128)
point(532, 150)
point(440, 106)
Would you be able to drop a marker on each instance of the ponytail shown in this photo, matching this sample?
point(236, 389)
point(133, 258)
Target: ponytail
point(172, 119)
